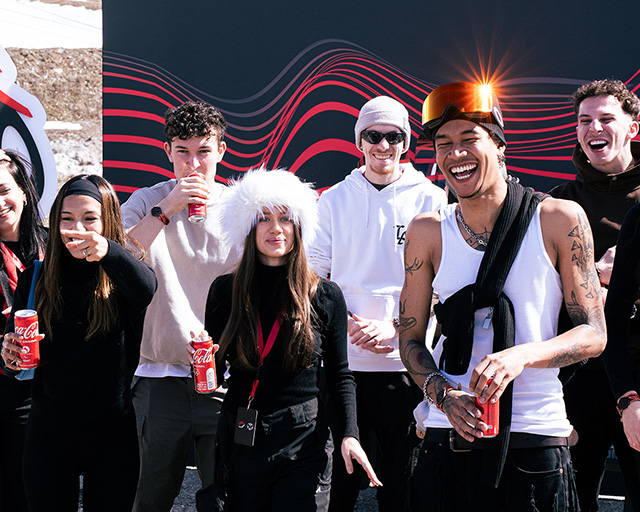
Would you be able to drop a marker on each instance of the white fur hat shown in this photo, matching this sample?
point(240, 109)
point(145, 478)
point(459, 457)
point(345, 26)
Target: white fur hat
point(383, 110)
point(260, 189)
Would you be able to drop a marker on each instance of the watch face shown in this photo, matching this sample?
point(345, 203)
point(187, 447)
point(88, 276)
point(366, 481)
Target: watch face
point(623, 403)
point(156, 211)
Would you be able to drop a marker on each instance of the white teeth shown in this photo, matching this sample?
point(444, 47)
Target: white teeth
point(462, 168)
point(597, 142)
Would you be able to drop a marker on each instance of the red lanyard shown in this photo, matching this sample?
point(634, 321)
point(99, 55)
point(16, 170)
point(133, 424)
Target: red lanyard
point(264, 350)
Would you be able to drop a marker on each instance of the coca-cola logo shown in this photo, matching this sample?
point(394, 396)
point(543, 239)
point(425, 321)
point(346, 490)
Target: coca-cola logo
point(202, 356)
point(28, 332)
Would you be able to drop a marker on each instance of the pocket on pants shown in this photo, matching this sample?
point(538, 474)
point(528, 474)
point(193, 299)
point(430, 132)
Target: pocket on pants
point(541, 479)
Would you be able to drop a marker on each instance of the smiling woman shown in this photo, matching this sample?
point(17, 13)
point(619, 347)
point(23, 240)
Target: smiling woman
point(90, 295)
point(22, 240)
point(274, 236)
point(277, 323)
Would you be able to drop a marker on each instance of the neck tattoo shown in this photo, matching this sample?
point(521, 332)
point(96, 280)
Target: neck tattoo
point(480, 241)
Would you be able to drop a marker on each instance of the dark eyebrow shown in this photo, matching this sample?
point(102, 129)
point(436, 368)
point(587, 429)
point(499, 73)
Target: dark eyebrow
point(95, 212)
point(464, 132)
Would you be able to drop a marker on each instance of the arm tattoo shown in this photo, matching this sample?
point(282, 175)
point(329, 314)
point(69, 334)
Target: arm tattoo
point(567, 356)
point(413, 348)
point(405, 322)
point(577, 312)
point(582, 254)
point(413, 267)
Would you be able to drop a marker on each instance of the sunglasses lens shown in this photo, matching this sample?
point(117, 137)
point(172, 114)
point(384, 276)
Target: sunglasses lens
point(395, 137)
point(374, 137)
point(466, 96)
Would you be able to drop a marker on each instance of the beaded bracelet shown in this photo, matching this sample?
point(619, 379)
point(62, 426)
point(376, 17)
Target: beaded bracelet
point(426, 383)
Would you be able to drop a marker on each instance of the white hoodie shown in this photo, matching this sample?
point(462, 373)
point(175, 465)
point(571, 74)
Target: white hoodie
point(360, 246)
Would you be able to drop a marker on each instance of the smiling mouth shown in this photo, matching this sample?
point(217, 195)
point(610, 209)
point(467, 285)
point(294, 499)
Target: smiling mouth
point(5, 211)
point(462, 172)
point(598, 144)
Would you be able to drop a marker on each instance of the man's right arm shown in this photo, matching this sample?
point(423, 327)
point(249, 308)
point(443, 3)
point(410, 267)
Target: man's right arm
point(192, 189)
point(415, 297)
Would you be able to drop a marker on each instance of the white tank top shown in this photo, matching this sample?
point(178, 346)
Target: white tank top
point(535, 289)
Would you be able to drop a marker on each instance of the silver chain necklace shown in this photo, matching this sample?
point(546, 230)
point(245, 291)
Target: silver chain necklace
point(479, 240)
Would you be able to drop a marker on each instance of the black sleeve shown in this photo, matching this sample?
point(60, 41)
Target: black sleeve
point(340, 382)
point(134, 279)
point(216, 315)
point(624, 290)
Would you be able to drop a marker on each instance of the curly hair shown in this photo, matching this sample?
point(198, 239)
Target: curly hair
point(194, 119)
point(628, 101)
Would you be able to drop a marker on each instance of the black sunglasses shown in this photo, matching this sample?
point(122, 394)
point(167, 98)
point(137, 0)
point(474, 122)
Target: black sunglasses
point(374, 137)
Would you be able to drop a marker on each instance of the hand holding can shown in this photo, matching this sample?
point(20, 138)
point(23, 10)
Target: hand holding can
point(197, 212)
point(204, 371)
point(490, 415)
point(26, 325)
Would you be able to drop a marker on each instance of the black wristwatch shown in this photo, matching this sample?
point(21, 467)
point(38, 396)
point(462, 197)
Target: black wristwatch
point(625, 402)
point(156, 211)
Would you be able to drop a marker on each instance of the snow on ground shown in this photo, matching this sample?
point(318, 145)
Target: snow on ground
point(25, 24)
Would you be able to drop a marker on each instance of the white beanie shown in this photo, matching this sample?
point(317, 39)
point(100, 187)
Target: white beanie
point(384, 110)
point(260, 189)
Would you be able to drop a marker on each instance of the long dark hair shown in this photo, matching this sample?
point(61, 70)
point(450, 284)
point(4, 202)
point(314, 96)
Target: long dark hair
point(102, 310)
point(31, 235)
point(241, 331)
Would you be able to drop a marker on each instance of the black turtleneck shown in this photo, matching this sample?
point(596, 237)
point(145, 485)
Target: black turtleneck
point(91, 377)
point(279, 389)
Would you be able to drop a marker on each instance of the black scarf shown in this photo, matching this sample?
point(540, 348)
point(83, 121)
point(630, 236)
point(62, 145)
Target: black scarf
point(456, 314)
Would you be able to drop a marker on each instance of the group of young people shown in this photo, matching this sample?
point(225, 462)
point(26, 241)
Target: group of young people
point(321, 314)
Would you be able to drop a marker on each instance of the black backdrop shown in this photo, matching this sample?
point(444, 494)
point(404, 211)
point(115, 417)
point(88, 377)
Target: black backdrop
point(290, 76)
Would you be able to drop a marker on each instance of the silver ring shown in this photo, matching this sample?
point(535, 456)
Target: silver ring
point(84, 251)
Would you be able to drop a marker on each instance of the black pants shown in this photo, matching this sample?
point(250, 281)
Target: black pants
point(59, 448)
point(591, 409)
point(15, 404)
point(385, 403)
point(288, 468)
point(534, 480)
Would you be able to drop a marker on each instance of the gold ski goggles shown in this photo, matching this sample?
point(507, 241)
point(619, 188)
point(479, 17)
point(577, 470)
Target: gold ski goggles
point(462, 100)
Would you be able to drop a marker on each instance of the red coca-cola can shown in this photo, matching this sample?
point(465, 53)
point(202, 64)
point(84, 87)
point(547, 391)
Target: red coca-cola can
point(197, 212)
point(204, 371)
point(26, 324)
point(490, 415)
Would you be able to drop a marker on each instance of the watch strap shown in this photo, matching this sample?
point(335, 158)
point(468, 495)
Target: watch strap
point(156, 211)
point(625, 401)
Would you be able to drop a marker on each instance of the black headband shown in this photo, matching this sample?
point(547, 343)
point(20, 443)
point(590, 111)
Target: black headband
point(85, 188)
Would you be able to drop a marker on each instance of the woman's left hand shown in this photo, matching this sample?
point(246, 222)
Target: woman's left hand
point(85, 245)
point(351, 449)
